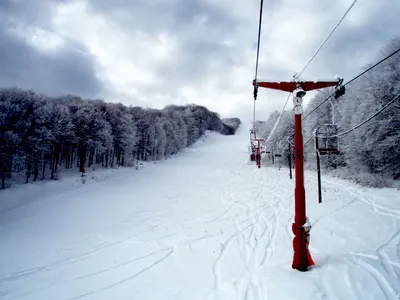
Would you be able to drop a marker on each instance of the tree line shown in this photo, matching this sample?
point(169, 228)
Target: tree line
point(40, 134)
point(370, 154)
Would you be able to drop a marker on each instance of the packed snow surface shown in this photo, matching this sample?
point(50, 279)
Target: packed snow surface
point(205, 224)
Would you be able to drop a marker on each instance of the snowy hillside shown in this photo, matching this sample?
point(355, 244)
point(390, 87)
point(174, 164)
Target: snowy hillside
point(203, 225)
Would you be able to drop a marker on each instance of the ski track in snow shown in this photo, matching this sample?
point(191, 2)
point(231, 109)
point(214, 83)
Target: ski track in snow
point(237, 235)
point(170, 252)
point(389, 282)
point(257, 246)
point(375, 207)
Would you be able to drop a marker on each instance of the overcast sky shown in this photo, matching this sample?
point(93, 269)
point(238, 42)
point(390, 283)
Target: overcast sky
point(157, 52)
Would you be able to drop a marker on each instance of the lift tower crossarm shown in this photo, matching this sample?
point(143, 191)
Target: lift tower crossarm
point(290, 86)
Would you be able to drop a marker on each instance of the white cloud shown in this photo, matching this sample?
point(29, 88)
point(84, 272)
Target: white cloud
point(39, 38)
point(124, 56)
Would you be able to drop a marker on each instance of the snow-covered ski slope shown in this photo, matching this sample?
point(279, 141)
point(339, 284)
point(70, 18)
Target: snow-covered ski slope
point(203, 225)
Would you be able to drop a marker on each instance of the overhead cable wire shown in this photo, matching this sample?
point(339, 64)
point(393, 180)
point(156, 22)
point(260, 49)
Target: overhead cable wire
point(369, 119)
point(256, 74)
point(277, 121)
point(373, 66)
point(254, 114)
point(349, 82)
point(259, 39)
point(255, 92)
point(327, 38)
point(308, 63)
point(315, 54)
point(309, 139)
point(363, 122)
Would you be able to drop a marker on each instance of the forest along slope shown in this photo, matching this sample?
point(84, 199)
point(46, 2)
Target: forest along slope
point(203, 225)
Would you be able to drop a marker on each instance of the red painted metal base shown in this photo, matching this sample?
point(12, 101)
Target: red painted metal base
point(302, 259)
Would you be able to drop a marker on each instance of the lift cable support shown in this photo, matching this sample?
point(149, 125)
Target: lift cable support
point(301, 226)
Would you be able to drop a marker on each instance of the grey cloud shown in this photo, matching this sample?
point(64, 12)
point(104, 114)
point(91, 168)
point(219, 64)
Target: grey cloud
point(28, 12)
point(67, 70)
point(173, 16)
point(200, 51)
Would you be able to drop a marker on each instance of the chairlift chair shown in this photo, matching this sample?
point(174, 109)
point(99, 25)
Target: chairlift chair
point(253, 146)
point(326, 139)
point(252, 152)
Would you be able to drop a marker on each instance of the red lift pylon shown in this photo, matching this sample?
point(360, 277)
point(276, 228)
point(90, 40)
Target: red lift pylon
point(256, 150)
point(301, 226)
